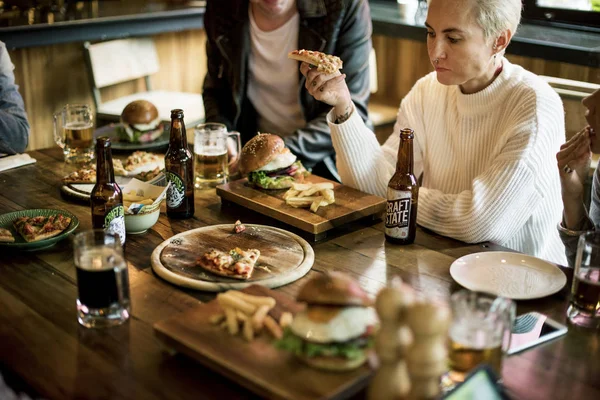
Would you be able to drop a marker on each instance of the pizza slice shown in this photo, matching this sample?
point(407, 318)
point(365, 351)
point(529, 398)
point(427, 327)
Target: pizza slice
point(6, 236)
point(86, 174)
point(237, 263)
point(38, 228)
point(325, 63)
point(141, 161)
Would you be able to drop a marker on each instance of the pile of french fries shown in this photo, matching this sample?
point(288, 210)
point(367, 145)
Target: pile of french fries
point(249, 315)
point(313, 195)
point(131, 197)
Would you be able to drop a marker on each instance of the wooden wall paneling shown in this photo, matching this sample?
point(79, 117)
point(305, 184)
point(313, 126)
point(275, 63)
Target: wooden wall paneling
point(50, 77)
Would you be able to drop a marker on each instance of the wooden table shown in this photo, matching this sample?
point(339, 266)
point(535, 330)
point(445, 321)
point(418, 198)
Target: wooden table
point(43, 349)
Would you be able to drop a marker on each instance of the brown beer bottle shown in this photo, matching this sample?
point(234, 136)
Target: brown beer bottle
point(179, 168)
point(106, 198)
point(402, 195)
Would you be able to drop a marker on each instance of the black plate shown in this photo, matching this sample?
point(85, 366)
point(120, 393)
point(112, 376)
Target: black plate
point(111, 132)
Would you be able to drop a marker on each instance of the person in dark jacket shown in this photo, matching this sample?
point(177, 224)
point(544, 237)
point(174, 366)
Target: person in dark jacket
point(14, 128)
point(252, 86)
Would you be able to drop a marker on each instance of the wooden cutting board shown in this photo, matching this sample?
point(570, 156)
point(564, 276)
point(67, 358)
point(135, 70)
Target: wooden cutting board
point(257, 365)
point(284, 256)
point(350, 205)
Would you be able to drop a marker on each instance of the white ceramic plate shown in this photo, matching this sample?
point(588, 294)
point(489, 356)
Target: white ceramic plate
point(513, 275)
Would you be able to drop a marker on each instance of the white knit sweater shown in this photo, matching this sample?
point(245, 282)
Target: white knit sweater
point(488, 160)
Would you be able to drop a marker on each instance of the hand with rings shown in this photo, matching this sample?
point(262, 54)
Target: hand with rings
point(573, 162)
point(328, 88)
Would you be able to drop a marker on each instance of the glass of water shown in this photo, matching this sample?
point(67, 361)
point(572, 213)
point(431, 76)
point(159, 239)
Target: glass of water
point(102, 279)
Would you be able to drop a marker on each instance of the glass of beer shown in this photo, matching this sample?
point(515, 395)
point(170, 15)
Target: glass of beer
point(584, 309)
point(480, 332)
point(74, 132)
point(211, 154)
point(102, 279)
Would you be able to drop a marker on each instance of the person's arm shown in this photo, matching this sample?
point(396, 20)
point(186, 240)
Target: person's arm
point(215, 84)
point(313, 142)
point(14, 128)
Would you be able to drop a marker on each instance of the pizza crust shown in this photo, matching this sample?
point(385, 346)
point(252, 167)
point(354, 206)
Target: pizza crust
point(6, 236)
point(34, 229)
point(325, 63)
point(236, 264)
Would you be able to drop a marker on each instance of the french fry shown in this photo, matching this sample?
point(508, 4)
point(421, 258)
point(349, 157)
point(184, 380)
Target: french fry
point(302, 201)
point(231, 318)
point(316, 204)
point(290, 193)
point(259, 317)
point(228, 300)
point(255, 300)
point(241, 317)
point(217, 318)
point(286, 319)
point(223, 324)
point(247, 330)
point(273, 327)
point(328, 195)
point(301, 186)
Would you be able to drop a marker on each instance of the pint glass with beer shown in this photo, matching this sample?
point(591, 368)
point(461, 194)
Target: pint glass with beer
point(480, 332)
point(211, 154)
point(584, 309)
point(102, 279)
point(74, 132)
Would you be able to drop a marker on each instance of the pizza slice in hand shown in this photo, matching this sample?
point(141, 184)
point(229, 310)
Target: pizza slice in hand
point(237, 263)
point(325, 63)
point(6, 236)
point(38, 228)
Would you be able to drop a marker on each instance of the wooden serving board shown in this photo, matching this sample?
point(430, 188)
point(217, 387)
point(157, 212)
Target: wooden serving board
point(258, 365)
point(284, 256)
point(350, 205)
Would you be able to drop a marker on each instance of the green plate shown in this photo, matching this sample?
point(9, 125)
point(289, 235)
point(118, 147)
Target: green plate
point(6, 222)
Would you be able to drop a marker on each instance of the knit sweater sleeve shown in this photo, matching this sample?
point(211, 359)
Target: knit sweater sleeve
point(505, 195)
point(364, 164)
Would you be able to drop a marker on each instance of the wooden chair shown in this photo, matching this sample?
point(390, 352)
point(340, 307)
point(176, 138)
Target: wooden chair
point(117, 61)
point(383, 116)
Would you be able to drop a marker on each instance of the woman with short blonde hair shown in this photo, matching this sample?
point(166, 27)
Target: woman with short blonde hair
point(486, 132)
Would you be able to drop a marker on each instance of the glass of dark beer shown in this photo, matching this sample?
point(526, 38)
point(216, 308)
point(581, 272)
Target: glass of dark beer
point(102, 280)
point(584, 309)
point(480, 332)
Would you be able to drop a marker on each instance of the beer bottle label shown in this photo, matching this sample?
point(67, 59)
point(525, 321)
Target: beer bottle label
point(397, 216)
point(176, 192)
point(114, 222)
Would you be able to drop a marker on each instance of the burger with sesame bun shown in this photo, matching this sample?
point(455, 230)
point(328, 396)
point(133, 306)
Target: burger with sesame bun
point(335, 330)
point(140, 122)
point(269, 164)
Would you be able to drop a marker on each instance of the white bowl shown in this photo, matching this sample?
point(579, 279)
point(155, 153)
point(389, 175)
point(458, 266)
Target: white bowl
point(140, 223)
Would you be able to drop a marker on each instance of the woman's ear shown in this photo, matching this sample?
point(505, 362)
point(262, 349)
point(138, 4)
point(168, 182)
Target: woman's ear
point(502, 41)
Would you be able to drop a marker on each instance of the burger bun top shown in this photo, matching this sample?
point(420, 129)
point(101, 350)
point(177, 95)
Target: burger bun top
point(260, 151)
point(139, 112)
point(334, 289)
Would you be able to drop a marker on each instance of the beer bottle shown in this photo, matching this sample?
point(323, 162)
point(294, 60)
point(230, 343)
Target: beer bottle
point(402, 195)
point(179, 168)
point(106, 198)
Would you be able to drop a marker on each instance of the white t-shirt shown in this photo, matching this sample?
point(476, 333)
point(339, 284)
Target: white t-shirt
point(273, 78)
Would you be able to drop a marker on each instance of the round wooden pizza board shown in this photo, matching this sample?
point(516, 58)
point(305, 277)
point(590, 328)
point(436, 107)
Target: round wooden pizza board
point(284, 257)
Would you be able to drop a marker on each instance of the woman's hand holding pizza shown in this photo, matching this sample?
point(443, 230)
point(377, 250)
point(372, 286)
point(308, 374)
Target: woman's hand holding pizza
point(328, 88)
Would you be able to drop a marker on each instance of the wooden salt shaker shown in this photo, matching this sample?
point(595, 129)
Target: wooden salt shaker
point(429, 323)
point(392, 343)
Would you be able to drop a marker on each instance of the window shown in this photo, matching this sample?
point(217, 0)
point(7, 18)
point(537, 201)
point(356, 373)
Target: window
point(573, 12)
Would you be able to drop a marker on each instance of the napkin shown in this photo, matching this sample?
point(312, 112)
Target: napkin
point(15, 161)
